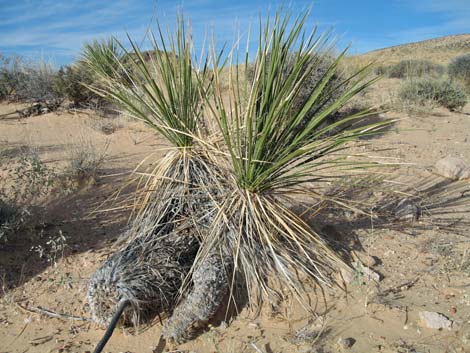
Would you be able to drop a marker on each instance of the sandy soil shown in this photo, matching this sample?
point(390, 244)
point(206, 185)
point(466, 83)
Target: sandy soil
point(424, 266)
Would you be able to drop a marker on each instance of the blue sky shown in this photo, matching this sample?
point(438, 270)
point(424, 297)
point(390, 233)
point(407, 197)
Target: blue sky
point(55, 30)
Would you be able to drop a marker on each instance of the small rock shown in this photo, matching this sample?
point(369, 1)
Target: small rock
point(367, 260)
point(346, 342)
point(453, 168)
point(435, 320)
point(369, 274)
point(346, 276)
point(408, 211)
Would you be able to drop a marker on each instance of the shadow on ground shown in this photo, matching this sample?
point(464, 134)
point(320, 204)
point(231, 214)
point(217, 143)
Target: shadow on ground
point(406, 206)
point(70, 216)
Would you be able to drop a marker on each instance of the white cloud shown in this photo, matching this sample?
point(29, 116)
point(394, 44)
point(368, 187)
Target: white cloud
point(62, 27)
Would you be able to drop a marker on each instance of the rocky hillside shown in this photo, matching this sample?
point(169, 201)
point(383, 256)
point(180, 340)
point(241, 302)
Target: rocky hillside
point(440, 50)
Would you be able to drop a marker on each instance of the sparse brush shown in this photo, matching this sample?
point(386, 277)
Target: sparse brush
point(10, 75)
point(448, 94)
point(459, 69)
point(413, 68)
point(85, 159)
point(28, 81)
point(278, 150)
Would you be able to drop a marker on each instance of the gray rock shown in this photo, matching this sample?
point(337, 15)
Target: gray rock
point(452, 168)
point(367, 260)
point(371, 274)
point(435, 320)
point(407, 210)
point(365, 274)
point(346, 343)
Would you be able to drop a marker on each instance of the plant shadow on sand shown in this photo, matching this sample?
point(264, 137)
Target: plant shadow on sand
point(70, 216)
point(439, 202)
point(407, 206)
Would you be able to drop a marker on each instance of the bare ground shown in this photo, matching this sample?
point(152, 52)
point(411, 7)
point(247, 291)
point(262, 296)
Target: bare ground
point(424, 266)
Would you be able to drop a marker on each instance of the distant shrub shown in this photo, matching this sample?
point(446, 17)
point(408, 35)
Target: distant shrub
point(413, 68)
point(441, 92)
point(331, 90)
point(11, 74)
point(39, 84)
point(85, 160)
point(459, 69)
point(25, 81)
point(380, 70)
point(73, 81)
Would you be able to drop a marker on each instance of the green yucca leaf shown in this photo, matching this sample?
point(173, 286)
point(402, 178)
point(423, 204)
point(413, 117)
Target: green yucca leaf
point(105, 55)
point(273, 142)
point(160, 87)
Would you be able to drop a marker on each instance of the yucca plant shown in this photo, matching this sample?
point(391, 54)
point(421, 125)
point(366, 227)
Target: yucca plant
point(279, 150)
point(233, 195)
point(164, 88)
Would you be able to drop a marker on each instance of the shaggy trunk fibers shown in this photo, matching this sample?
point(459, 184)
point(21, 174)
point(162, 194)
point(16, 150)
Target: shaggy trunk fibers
point(157, 266)
point(147, 273)
point(210, 285)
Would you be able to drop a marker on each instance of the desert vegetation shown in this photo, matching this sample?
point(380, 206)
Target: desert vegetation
point(44, 88)
point(426, 85)
point(459, 69)
point(276, 136)
point(259, 196)
point(448, 94)
point(411, 68)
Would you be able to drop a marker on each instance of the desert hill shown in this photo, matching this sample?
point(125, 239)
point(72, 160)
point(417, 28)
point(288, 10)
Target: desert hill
point(440, 50)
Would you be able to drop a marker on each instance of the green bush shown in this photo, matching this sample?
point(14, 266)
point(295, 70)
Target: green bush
point(459, 69)
point(412, 68)
point(445, 93)
point(30, 82)
point(72, 81)
point(11, 75)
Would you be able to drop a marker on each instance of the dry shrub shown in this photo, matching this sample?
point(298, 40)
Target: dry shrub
point(28, 81)
point(448, 94)
point(411, 68)
point(85, 159)
point(109, 125)
point(459, 69)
